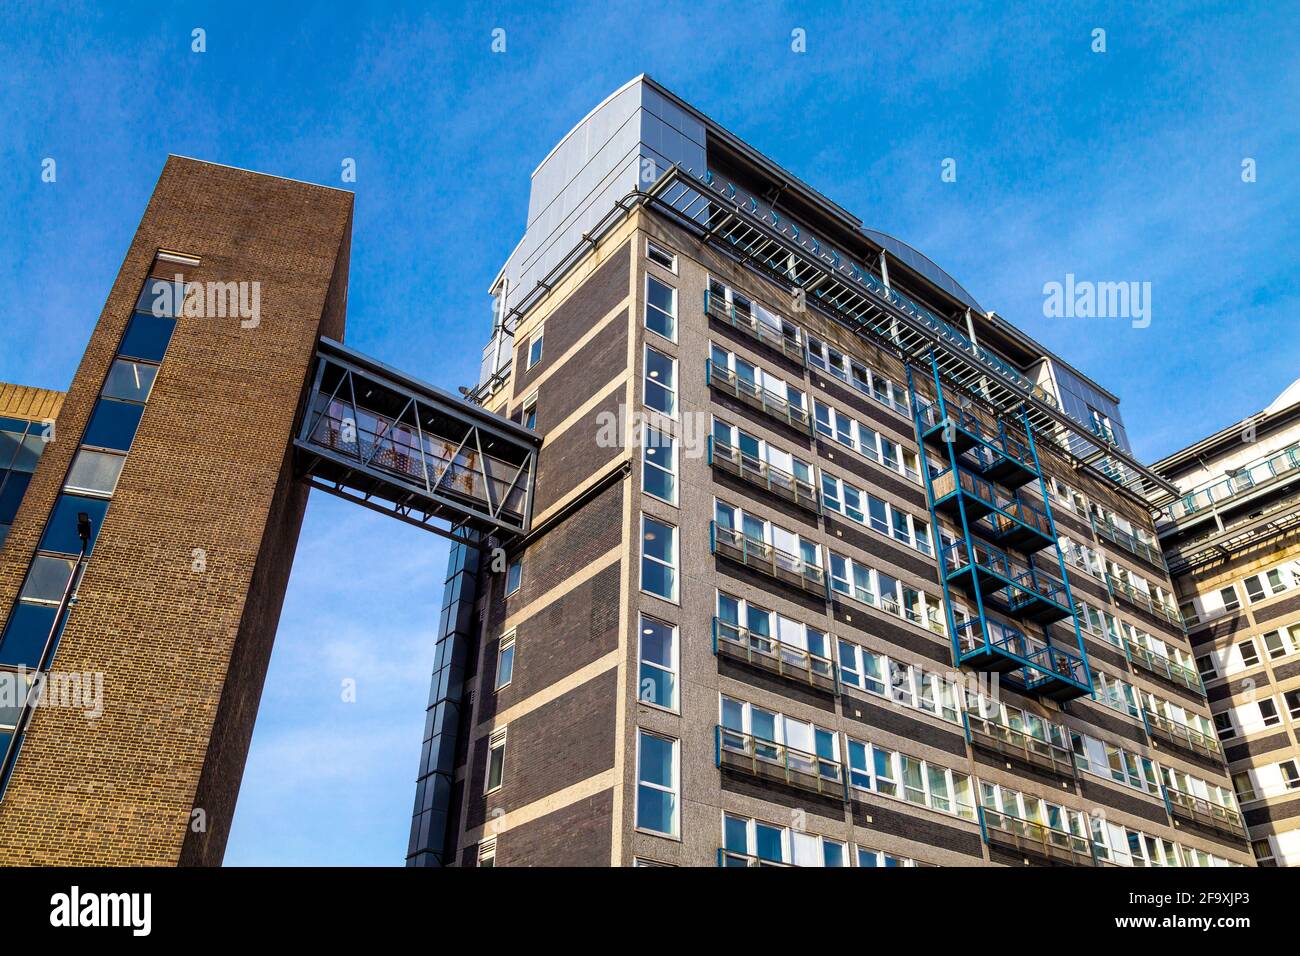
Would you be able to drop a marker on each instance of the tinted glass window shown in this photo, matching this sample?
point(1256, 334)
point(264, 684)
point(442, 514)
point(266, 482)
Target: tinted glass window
point(113, 425)
point(61, 533)
point(12, 493)
point(95, 471)
point(26, 633)
point(147, 337)
point(47, 579)
point(161, 297)
point(130, 380)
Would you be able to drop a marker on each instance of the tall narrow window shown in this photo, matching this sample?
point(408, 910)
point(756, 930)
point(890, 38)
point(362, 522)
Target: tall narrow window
point(656, 784)
point(659, 472)
point(505, 660)
point(528, 416)
point(514, 575)
point(487, 853)
point(1229, 595)
point(658, 676)
point(496, 763)
point(661, 308)
point(658, 558)
point(660, 382)
point(535, 346)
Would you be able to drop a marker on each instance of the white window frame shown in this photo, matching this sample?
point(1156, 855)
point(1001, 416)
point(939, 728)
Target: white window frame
point(647, 379)
point(650, 455)
point(675, 789)
point(506, 643)
point(651, 246)
point(496, 742)
point(674, 566)
point(672, 316)
point(673, 670)
point(536, 338)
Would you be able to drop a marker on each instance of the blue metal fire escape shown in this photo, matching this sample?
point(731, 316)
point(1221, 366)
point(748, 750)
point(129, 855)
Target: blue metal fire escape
point(1016, 604)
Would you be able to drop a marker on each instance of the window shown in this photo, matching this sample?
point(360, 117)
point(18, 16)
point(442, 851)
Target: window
point(894, 774)
point(1249, 655)
point(1224, 725)
point(1254, 589)
point(95, 471)
point(505, 660)
point(496, 763)
point(660, 256)
point(656, 784)
point(487, 853)
point(528, 417)
point(658, 675)
point(1241, 783)
point(866, 856)
point(658, 558)
point(1205, 665)
point(660, 308)
point(147, 336)
point(659, 466)
point(1263, 850)
point(1189, 612)
point(1292, 699)
point(1268, 713)
point(47, 579)
point(660, 382)
point(882, 517)
point(514, 575)
point(130, 381)
point(62, 534)
point(113, 425)
point(1276, 645)
point(1290, 774)
point(25, 635)
point(535, 346)
point(1229, 595)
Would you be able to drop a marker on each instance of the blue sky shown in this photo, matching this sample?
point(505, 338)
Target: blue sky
point(1123, 165)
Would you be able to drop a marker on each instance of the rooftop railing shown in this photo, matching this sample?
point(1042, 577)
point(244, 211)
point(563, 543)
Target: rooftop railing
point(774, 761)
point(1162, 666)
point(770, 654)
point(756, 472)
point(717, 307)
point(756, 396)
point(1245, 479)
point(761, 556)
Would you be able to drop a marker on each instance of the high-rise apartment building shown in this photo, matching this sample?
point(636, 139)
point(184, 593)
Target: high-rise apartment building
point(770, 544)
point(827, 565)
point(1232, 541)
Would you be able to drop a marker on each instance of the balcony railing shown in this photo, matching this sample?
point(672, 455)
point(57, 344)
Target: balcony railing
point(998, 737)
point(1204, 812)
point(772, 761)
point(777, 657)
point(756, 396)
point(730, 858)
point(1025, 585)
point(1247, 478)
point(716, 307)
point(770, 560)
point(1008, 512)
point(1048, 660)
point(733, 461)
point(1130, 542)
point(1026, 836)
point(992, 447)
point(1143, 600)
point(1182, 735)
point(1162, 666)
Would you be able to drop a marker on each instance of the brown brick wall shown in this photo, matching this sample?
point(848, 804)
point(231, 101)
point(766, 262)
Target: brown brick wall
point(207, 470)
